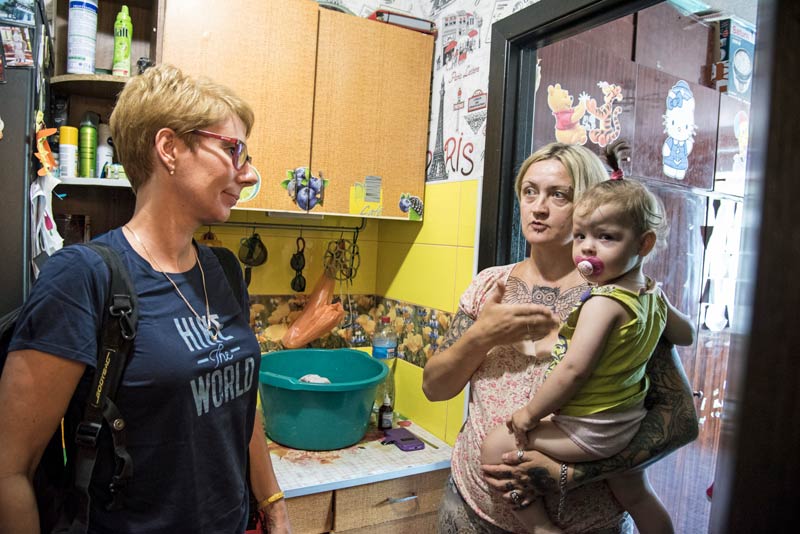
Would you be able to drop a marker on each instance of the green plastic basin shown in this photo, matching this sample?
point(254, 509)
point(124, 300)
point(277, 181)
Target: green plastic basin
point(318, 417)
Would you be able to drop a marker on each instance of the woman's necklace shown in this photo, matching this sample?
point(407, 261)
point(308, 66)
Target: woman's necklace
point(212, 328)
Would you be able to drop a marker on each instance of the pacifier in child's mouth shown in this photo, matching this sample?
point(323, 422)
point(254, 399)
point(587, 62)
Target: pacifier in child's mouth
point(588, 266)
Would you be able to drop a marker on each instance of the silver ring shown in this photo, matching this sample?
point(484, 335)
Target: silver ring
point(516, 498)
point(520, 454)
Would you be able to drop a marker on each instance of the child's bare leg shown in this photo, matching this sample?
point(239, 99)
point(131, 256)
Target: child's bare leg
point(545, 438)
point(634, 493)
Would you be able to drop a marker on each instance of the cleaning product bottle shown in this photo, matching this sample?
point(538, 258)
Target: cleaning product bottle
point(385, 417)
point(68, 152)
point(384, 348)
point(105, 150)
point(123, 34)
point(87, 145)
point(81, 36)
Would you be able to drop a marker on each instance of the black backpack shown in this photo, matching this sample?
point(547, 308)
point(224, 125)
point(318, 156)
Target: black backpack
point(63, 475)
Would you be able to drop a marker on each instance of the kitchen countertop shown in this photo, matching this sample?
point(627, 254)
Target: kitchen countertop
point(306, 472)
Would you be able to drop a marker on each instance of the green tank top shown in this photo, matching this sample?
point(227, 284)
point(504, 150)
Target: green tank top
point(619, 381)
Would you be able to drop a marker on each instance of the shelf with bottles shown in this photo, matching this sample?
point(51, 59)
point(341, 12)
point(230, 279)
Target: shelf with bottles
point(144, 15)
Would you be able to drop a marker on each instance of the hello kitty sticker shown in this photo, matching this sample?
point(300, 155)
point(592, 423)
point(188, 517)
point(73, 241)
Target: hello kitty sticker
point(680, 127)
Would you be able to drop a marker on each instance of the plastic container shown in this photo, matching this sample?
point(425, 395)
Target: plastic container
point(81, 36)
point(384, 349)
point(123, 33)
point(87, 145)
point(68, 152)
point(385, 414)
point(318, 417)
point(105, 151)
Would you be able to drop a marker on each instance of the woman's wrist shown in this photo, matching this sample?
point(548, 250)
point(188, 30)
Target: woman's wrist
point(269, 501)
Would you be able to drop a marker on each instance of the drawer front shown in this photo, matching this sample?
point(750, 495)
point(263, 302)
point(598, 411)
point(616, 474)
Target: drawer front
point(381, 502)
point(418, 524)
point(311, 514)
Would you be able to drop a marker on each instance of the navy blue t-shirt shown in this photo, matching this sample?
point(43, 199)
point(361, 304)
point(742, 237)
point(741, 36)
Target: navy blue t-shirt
point(189, 402)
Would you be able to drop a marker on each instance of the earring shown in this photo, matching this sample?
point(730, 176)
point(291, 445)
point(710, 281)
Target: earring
point(171, 172)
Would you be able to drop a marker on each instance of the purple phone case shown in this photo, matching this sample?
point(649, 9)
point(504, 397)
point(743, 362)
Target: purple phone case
point(404, 439)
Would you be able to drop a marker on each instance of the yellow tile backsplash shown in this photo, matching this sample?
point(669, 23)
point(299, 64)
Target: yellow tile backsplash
point(438, 226)
point(468, 212)
point(420, 274)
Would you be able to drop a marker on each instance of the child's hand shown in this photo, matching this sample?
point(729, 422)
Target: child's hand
point(519, 425)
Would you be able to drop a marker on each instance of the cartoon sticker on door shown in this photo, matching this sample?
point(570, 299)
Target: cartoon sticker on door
point(680, 128)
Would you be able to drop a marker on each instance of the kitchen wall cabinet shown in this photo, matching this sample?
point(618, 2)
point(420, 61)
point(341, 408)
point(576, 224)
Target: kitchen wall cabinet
point(371, 110)
point(340, 95)
point(265, 51)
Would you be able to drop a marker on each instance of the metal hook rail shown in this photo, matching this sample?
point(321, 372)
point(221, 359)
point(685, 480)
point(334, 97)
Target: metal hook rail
point(302, 227)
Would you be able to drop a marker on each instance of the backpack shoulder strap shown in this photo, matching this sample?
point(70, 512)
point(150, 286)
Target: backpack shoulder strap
point(115, 345)
point(233, 273)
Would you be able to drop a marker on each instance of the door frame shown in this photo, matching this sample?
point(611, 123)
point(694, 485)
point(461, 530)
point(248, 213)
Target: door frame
point(512, 68)
point(753, 492)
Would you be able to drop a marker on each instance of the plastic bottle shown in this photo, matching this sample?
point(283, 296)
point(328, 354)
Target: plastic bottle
point(81, 36)
point(105, 150)
point(68, 152)
point(385, 416)
point(123, 34)
point(384, 348)
point(87, 145)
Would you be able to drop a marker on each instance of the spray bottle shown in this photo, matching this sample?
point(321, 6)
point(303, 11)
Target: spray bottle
point(123, 33)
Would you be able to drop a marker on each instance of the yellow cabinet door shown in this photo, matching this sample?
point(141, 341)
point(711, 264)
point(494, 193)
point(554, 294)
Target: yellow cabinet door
point(370, 116)
point(265, 51)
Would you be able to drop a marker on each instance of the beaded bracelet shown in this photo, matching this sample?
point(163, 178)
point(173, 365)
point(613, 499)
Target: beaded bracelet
point(269, 500)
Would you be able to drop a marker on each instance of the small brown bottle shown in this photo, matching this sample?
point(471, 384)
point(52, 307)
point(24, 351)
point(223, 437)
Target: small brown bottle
point(385, 415)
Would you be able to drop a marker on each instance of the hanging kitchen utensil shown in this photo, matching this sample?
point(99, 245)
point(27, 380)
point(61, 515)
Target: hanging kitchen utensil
point(298, 262)
point(252, 253)
point(343, 259)
point(210, 240)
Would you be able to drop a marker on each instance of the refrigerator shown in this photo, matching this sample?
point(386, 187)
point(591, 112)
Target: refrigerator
point(25, 90)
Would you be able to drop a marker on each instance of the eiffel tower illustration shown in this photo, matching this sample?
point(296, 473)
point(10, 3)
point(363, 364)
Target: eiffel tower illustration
point(438, 170)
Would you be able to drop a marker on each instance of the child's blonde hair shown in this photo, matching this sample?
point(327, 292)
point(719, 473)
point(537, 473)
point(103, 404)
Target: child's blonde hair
point(644, 211)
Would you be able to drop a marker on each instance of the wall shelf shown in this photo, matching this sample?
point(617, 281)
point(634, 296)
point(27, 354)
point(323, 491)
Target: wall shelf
point(105, 182)
point(98, 85)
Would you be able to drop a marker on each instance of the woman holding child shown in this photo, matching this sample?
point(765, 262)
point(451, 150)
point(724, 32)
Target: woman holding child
point(503, 307)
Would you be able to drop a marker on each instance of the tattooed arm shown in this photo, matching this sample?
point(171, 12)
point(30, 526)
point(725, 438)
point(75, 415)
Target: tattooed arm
point(468, 341)
point(671, 422)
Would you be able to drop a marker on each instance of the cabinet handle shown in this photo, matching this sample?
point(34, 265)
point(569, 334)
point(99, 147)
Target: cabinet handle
point(393, 500)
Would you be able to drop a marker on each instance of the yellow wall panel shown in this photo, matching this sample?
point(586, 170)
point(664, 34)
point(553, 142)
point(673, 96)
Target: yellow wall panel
point(419, 274)
point(437, 228)
point(412, 403)
point(465, 259)
point(467, 213)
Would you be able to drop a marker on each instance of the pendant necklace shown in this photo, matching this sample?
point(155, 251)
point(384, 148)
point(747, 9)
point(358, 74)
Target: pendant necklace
point(212, 328)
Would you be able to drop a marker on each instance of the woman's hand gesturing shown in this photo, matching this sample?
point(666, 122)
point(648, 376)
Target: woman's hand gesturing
point(504, 323)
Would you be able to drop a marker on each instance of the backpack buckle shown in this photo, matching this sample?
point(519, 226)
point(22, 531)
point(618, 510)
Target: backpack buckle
point(87, 433)
point(121, 307)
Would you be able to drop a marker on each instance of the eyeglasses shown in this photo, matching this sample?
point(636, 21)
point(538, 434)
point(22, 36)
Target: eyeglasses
point(239, 154)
